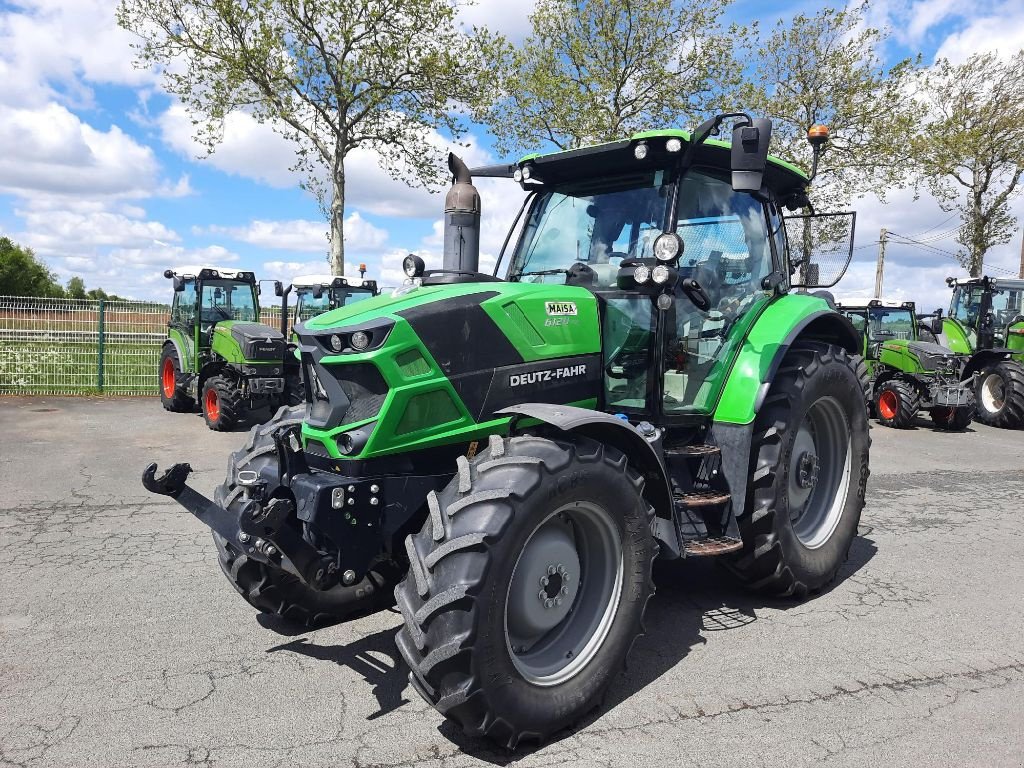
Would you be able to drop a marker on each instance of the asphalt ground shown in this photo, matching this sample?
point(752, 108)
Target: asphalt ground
point(121, 643)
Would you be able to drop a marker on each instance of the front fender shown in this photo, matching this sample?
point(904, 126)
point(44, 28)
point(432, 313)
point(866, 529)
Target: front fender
point(791, 318)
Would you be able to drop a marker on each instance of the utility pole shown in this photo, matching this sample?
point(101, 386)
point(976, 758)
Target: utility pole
point(1021, 275)
point(882, 237)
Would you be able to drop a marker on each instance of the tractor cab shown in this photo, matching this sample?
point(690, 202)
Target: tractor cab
point(316, 294)
point(217, 351)
point(989, 312)
point(880, 321)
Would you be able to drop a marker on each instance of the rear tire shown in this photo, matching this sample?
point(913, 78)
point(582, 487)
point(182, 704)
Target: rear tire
point(896, 404)
point(222, 404)
point(172, 396)
point(810, 443)
point(999, 395)
point(272, 590)
point(485, 649)
point(952, 419)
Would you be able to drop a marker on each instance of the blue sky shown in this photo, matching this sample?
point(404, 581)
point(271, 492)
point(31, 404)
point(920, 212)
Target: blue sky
point(98, 172)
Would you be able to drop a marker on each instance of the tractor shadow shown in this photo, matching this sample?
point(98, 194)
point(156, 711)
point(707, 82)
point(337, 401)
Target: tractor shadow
point(694, 598)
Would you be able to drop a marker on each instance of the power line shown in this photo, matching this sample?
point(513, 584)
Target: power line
point(936, 226)
point(949, 255)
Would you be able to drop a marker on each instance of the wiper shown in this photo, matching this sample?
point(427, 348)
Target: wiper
point(565, 272)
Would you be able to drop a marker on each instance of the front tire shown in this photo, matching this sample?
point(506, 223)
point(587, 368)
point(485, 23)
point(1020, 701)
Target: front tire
point(501, 633)
point(809, 473)
point(999, 395)
point(272, 590)
point(896, 404)
point(952, 419)
point(172, 397)
point(222, 404)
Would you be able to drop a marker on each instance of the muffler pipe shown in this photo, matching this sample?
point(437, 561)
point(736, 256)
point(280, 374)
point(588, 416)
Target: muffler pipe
point(461, 220)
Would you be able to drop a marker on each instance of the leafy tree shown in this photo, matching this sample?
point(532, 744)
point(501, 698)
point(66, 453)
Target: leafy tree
point(826, 68)
point(970, 147)
point(23, 274)
point(329, 75)
point(596, 70)
point(76, 288)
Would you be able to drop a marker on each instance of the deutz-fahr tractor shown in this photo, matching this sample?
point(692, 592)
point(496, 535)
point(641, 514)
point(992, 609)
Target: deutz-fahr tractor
point(986, 321)
point(648, 379)
point(909, 375)
point(217, 351)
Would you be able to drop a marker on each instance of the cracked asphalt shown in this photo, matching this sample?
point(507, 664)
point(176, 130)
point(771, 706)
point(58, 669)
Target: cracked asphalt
point(121, 644)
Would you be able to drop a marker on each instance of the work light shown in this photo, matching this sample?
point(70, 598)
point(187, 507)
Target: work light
point(668, 246)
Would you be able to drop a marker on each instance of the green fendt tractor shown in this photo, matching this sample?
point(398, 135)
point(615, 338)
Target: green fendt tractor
point(649, 378)
point(909, 375)
point(217, 352)
point(986, 321)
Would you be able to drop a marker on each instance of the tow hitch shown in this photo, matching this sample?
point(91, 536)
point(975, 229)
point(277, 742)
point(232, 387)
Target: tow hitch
point(259, 527)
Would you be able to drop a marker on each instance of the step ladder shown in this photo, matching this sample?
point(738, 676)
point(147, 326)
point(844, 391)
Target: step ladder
point(702, 509)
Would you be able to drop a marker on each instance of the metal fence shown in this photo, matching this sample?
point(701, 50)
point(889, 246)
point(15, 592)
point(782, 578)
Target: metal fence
point(84, 346)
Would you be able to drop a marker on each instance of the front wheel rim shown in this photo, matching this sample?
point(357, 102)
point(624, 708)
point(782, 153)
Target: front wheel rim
point(167, 378)
point(212, 403)
point(819, 472)
point(564, 593)
point(993, 392)
point(888, 404)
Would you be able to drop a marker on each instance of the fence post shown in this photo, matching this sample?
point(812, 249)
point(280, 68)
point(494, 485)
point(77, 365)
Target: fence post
point(99, 361)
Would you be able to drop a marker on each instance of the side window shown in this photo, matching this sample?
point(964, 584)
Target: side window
point(859, 321)
point(183, 311)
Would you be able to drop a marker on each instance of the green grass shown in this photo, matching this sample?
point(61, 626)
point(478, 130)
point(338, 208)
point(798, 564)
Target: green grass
point(28, 367)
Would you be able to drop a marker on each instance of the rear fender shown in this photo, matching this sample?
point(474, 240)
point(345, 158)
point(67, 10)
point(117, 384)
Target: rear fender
point(983, 359)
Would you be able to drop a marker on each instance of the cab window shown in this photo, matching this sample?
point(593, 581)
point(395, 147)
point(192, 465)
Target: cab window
point(183, 312)
point(227, 300)
point(966, 304)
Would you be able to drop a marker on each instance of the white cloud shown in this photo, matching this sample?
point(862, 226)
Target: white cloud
point(56, 232)
point(305, 235)
point(509, 17)
point(1002, 32)
point(286, 270)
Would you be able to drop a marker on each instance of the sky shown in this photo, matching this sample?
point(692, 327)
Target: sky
point(100, 176)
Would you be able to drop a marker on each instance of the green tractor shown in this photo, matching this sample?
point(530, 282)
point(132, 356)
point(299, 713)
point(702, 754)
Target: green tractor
point(218, 353)
point(507, 456)
point(986, 321)
point(909, 375)
point(316, 294)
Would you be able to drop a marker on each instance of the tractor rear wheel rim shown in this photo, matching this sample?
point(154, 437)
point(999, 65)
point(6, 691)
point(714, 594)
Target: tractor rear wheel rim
point(564, 593)
point(167, 378)
point(888, 404)
point(212, 403)
point(993, 392)
point(819, 472)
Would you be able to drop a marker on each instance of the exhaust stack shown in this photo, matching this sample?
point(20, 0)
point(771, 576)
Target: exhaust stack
point(461, 220)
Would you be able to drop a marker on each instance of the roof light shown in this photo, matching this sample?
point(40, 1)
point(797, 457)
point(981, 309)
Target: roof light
point(673, 145)
point(640, 150)
point(413, 266)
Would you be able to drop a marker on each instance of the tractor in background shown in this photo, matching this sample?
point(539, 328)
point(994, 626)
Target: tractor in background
point(907, 374)
point(217, 352)
point(506, 454)
point(986, 321)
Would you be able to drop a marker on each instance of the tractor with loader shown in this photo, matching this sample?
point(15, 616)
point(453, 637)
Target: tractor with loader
point(986, 322)
point(907, 374)
point(218, 353)
point(506, 454)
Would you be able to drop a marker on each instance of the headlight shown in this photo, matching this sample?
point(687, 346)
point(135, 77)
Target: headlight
point(517, 175)
point(413, 265)
point(668, 246)
point(336, 343)
point(660, 274)
point(527, 172)
point(673, 145)
point(640, 151)
point(360, 340)
point(641, 273)
point(345, 444)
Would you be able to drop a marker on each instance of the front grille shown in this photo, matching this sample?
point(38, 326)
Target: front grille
point(343, 394)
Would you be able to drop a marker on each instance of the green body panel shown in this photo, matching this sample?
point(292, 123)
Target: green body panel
point(957, 338)
point(896, 354)
point(770, 331)
point(1015, 340)
point(225, 346)
point(422, 408)
point(187, 346)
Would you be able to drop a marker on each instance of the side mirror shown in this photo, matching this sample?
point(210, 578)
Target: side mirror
point(168, 273)
point(179, 284)
point(937, 323)
point(750, 154)
point(318, 292)
point(278, 288)
point(259, 289)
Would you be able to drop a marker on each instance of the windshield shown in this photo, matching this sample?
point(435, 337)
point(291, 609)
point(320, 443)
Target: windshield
point(966, 304)
point(891, 324)
point(595, 224)
point(228, 300)
point(1006, 304)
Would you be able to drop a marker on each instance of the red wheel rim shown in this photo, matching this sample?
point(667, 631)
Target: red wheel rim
point(167, 378)
point(888, 404)
point(212, 403)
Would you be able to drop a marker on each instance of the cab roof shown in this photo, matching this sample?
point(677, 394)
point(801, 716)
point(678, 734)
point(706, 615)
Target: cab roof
point(309, 281)
point(194, 270)
point(862, 303)
point(616, 157)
